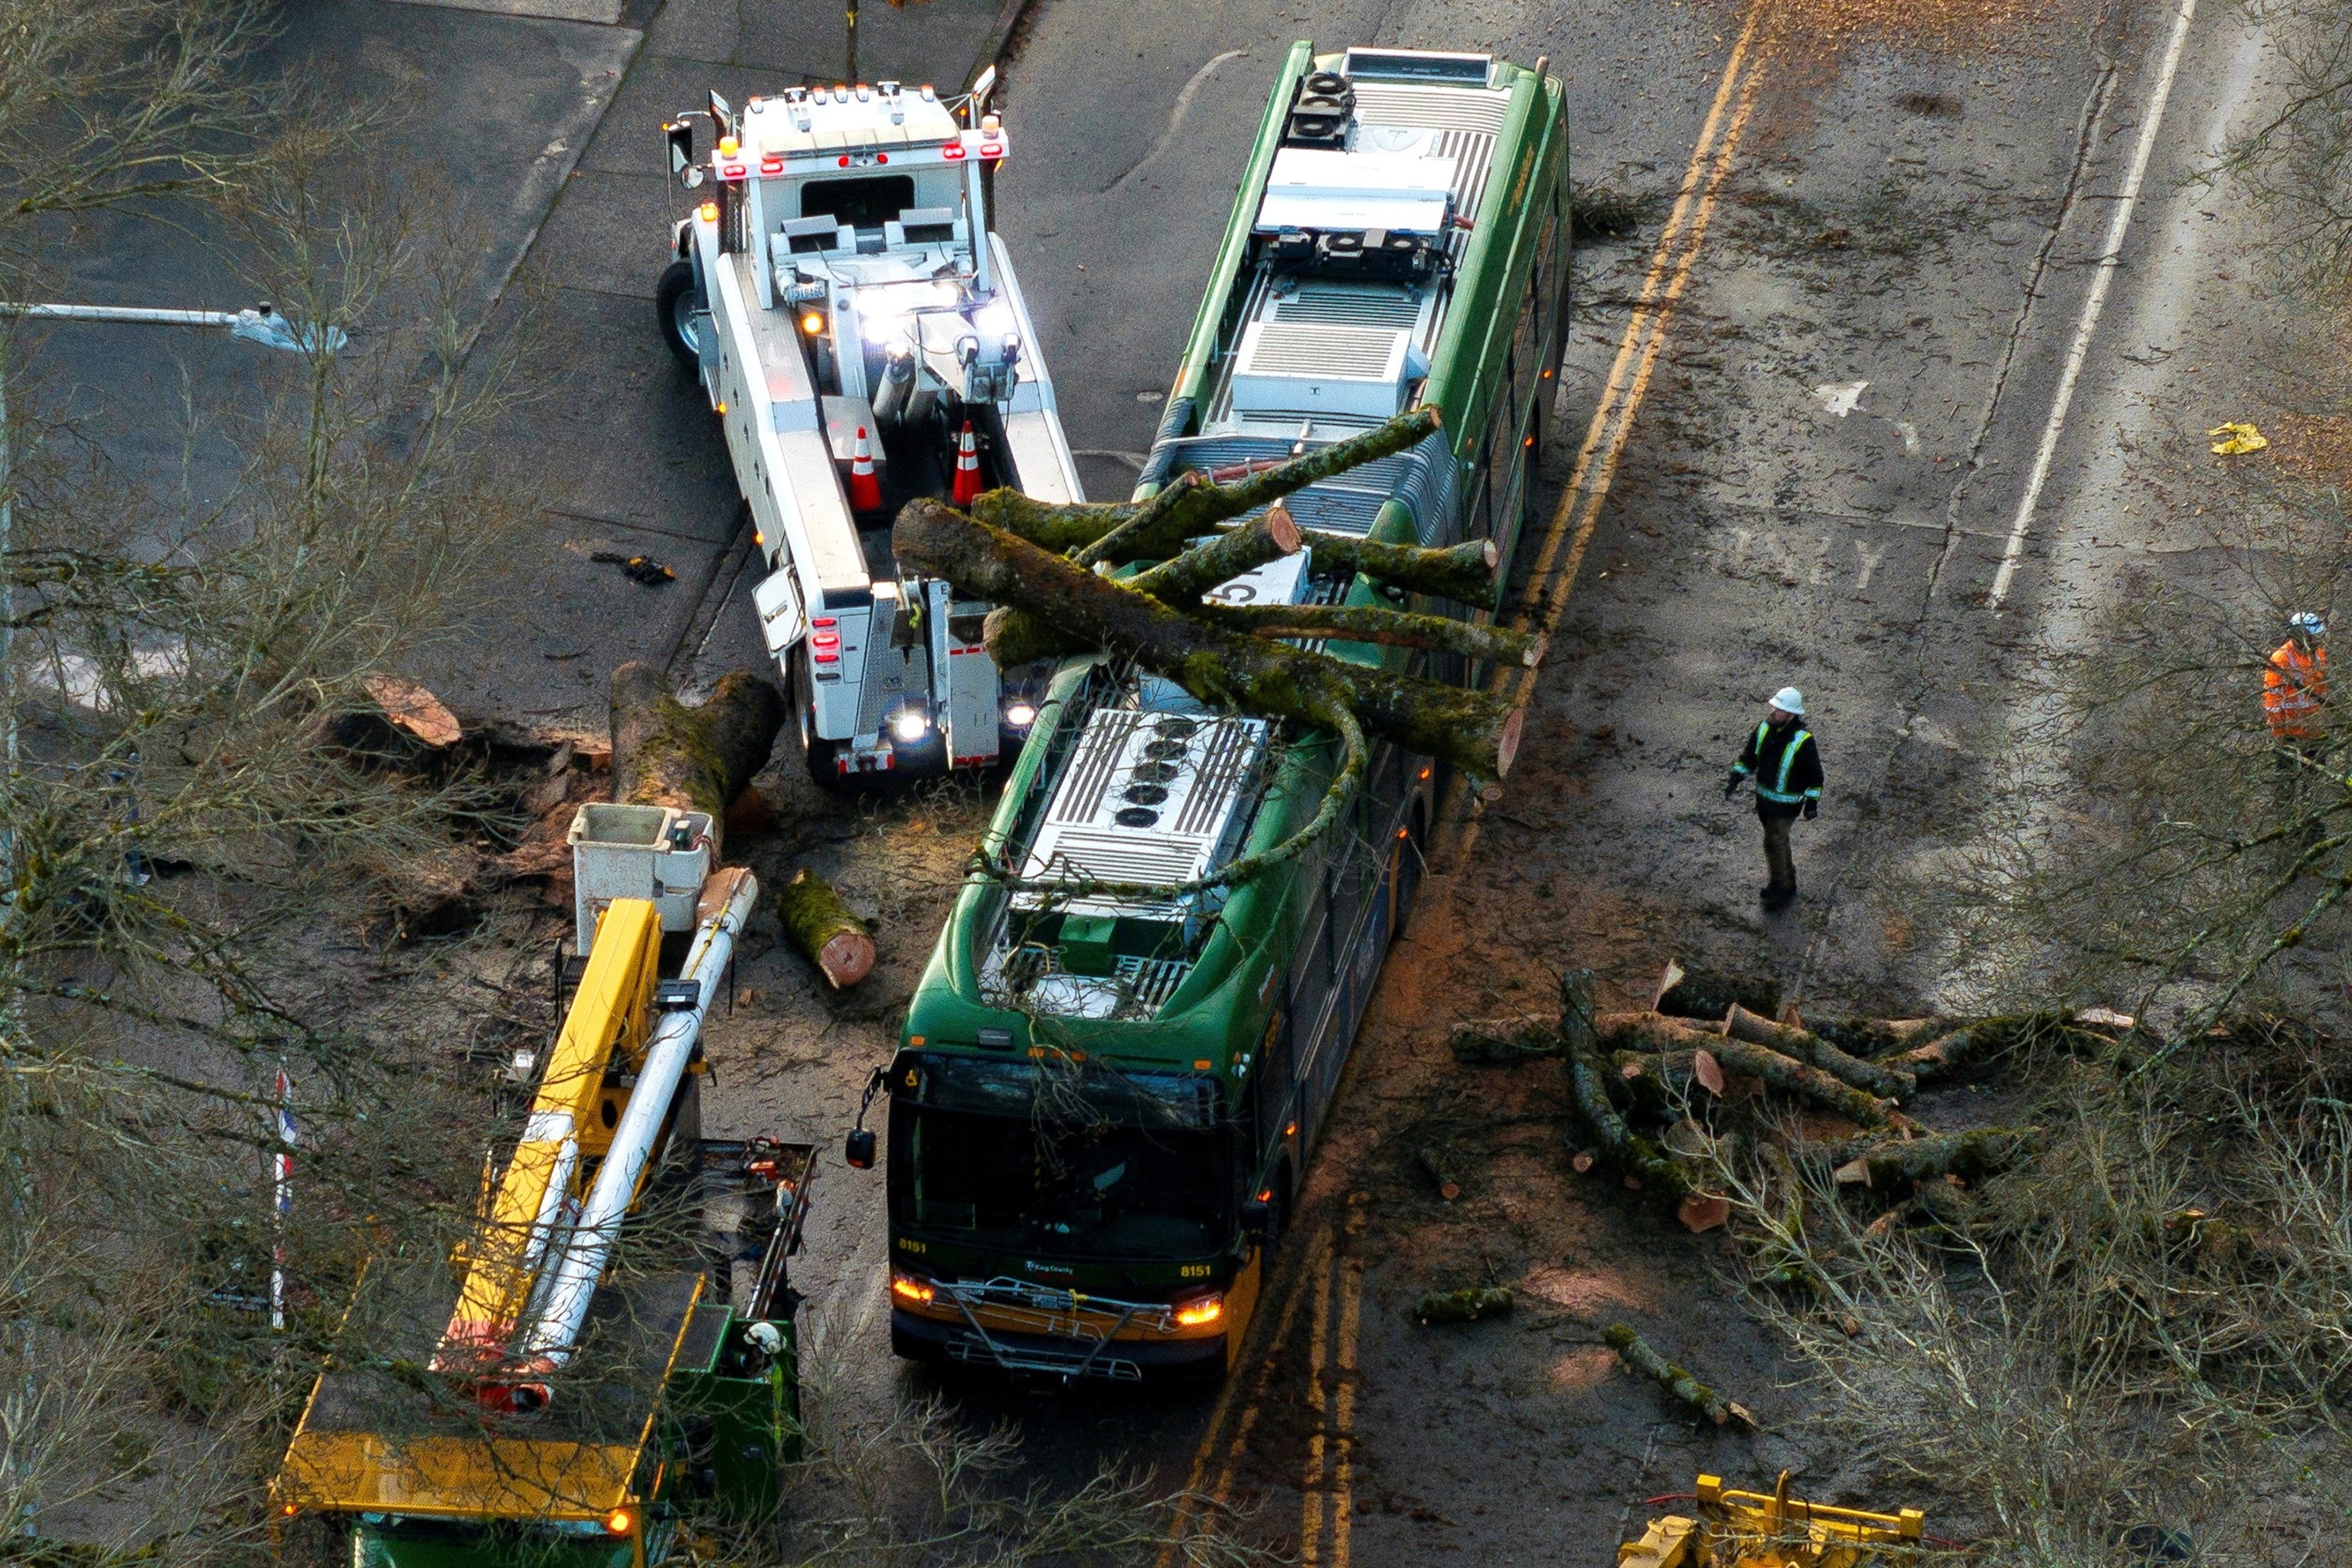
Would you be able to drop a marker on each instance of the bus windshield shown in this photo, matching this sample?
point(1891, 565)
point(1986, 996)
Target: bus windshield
point(1088, 1188)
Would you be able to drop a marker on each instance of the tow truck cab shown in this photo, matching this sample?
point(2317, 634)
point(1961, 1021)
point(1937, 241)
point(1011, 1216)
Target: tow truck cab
point(838, 290)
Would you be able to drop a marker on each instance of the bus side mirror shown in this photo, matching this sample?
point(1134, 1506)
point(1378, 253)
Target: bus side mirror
point(1258, 1218)
point(859, 1154)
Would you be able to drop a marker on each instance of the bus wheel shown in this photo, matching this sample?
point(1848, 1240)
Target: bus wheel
point(676, 301)
point(1277, 1211)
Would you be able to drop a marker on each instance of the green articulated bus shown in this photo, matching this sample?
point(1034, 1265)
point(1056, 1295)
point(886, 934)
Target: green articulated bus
point(1103, 1106)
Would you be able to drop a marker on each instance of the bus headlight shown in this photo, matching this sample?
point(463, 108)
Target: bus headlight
point(1020, 715)
point(913, 1291)
point(1200, 1309)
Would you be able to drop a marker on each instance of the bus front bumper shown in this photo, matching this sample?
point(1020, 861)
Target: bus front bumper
point(969, 1343)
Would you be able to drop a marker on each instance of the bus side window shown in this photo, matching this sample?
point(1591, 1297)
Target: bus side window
point(1526, 353)
point(1271, 1092)
point(1502, 455)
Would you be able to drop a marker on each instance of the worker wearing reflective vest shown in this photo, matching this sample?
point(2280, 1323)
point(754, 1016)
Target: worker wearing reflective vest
point(1787, 766)
point(2294, 685)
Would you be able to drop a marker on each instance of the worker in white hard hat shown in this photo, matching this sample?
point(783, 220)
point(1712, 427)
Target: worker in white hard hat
point(2294, 685)
point(1787, 766)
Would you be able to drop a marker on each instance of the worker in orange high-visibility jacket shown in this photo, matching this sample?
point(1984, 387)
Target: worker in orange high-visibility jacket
point(2294, 690)
point(2294, 685)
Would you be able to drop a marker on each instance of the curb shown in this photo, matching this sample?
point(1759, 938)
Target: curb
point(1009, 16)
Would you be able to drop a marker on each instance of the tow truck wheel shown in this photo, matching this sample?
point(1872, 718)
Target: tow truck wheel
point(821, 755)
point(679, 302)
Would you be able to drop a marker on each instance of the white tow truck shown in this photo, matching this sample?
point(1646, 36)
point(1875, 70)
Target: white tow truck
point(839, 286)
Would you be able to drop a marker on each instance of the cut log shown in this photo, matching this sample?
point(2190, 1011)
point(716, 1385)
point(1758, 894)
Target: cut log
point(824, 931)
point(1478, 732)
point(1871, 1038)
point(1441, 1173)
point(696, 759)
point(412, 709)
point(1707, 1072)
point(1702, 1212)
point(1503, 1040)
point(1897, 1163)
point(1886, 1083)
point(1652, 1032)
point(1986, 1040)
point(1642, 1358)
point(1636, 1156)
point(1580, 1006)
point(1464, 1306)
point(1709, 993)
point(1676, 1069)
point(1262, 539)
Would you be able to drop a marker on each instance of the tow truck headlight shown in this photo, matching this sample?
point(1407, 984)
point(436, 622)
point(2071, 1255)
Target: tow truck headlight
point(620, 1522)
point(1020, 715)
point(913, 1291)
point(813, 323)
point(996, 319)
point(1200, 1309)
point(909, 725)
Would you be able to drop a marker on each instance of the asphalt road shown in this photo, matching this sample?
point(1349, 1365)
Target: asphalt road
point(1801, 419)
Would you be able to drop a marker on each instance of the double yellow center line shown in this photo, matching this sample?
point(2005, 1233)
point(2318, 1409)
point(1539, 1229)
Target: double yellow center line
point(1612, 426)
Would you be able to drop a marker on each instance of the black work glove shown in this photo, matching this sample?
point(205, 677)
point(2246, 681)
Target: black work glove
point(1812, 809)
point(1731, 786)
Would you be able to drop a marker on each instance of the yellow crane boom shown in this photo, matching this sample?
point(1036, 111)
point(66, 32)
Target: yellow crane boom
point(608, 1019)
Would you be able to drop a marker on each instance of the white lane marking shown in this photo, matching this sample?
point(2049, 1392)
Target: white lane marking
point(2110, 258)
point(1871, 561)
point(1191, 91)
point(1840, 398)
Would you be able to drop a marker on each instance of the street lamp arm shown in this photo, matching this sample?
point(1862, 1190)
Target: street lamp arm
point(260, 325)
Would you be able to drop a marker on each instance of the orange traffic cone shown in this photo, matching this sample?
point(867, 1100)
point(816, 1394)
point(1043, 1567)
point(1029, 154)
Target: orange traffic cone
point(865, 488)
point(967, 474)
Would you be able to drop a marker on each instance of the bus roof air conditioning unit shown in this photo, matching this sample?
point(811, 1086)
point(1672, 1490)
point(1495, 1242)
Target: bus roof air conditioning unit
point(1402, 192)
point(1310, 370)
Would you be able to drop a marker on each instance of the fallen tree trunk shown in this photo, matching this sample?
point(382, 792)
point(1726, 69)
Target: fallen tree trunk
point(823, 929)
point(1652, 1032)
point(1677, 1069)
point(1366, 623)
point(1638, 1159)
point(1709, 993)
point(1462, 1306)
point(696, 759)
point(1178, 515)
point(1871, 1038)
point(1476, 731)
point(1886, 1083)
point(1982, 1040)
point(1971, 1156)
point(1640, 1357)
point(1503, 1040)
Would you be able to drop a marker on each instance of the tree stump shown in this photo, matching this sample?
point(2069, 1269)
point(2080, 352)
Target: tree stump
point(696, 759)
